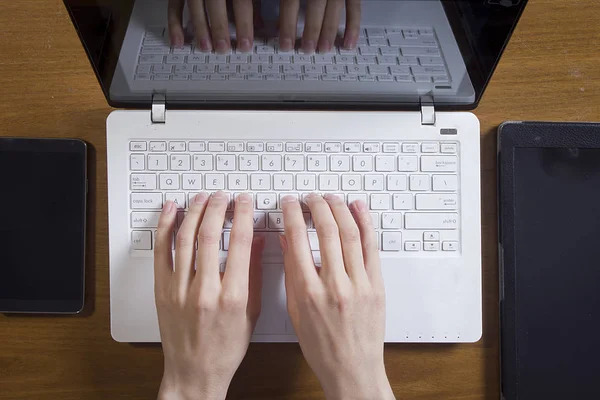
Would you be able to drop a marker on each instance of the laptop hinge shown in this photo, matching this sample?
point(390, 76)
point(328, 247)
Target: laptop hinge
point(158, 114)
point(427, 111)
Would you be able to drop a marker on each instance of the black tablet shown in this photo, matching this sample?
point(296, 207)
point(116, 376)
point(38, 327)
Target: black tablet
point(42, 229)
point(549, 246)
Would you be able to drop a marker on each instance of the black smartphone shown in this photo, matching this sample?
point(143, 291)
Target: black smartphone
point(43, 225)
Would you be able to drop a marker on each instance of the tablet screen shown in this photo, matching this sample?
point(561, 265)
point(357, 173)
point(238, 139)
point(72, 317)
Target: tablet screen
point(43, 226)
point(557, 272)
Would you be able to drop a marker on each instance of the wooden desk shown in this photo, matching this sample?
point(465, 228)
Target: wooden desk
point(47, 88)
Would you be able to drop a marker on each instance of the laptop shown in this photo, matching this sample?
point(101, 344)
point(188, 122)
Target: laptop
point(387, 123)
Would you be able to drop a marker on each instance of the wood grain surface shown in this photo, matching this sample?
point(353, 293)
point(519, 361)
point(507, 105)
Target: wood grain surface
point(47, 88)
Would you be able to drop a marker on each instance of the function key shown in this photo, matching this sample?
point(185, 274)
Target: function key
point(449, 148)
point(293, 147)
point(158, 146)
point(197, 146)
point(391, 148)
point(426, 32)
point(235, 147)
point(177, 146)
point(394, 31)
point(138, 146)
point(275, 147)
point(255, 147)
point(314, 147)
point(430, 148)
point(352, 147)
point(450, 246)
point(216, 146)
point(410, 148)
point(375, 33)
point(333, 147)
point(372, 147)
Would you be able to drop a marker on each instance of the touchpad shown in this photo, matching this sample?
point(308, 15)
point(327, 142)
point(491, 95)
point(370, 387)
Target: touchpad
point(273, 317)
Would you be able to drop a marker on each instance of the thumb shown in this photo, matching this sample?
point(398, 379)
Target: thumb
point(289, 281)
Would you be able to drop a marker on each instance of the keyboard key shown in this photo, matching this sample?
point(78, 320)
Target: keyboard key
point(431, 236)
point(340, 163)
point(439, 163)
point(260, 182)
point(449, 246)
point(141, 240)
point(158, 146)
point(143, 182)
point(313, 147)
point(156, 50)
point(157, 162)
point(180, 162)
point(226, 162)
point(203, 162)
point(197, 146)
point(403, 201)
point(352, 147)
point(397, 183)
point(271, 162)
point(408, 163)
point(391, 148)
point(177, 198)
point(419, 182)
point(430, 148)
point(237, 182)
point(421, 51)
point(391, 220)
point(380, 202)
point(151, 59)
point(146, 201)
point(385, 163)
point(137, 162)
point(266, 201)
point(431, 246)
point(283, 182)
point(214, 182)
point(438, 221)
point(412, 246)
point(216, 146)
point(275, 147)
point(445, 183)
point(255, 146)
point(372, 147)
point(351, 182)
point(436, 202)
point(391, 241)
point(449, 148)
point(313, 241)
point(316, 163)
point(328, 182)
point(362, 163)
point(260, 220)
point(358, 197)
point(168, 181)
point(307, 182)
point(275, 220)
point(248, 162)
point(144, 219)
point(192, 182)
point(175, 59)
point(374, 183)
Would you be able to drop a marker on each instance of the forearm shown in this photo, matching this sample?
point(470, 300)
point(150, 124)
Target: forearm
point(173, 390)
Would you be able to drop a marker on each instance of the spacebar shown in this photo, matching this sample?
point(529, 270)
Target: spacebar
point(431, 221)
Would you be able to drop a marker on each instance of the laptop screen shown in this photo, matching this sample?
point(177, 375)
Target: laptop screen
point(389, 54)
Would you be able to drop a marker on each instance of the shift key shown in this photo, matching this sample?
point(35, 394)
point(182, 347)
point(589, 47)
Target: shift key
point(433, 221)
point(146, 201)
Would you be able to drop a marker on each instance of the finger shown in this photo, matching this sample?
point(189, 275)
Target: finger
point(332, 260)
point(368, 239)
point(243, 11)
point(349, 237)
point(255, 282)
point(185, 247)
point(288, 22)
point(200, 24)
point(353, 15)
point(175, 17)
point(302, 266)
point(288, 265)
point(163, 253)
point(240, 246)
point(219, 25)
point(331, 23)
point(312, 26)
point(209, 237)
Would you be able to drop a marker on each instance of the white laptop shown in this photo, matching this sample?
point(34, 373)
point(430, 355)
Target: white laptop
point(384, 123)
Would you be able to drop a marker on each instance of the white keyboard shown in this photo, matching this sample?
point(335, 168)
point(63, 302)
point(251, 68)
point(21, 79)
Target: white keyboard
point(402, 55)
point(410, 187)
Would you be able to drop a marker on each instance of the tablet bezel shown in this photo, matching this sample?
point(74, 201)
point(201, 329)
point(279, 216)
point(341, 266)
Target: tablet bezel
point(512, 135)
point(20, 306)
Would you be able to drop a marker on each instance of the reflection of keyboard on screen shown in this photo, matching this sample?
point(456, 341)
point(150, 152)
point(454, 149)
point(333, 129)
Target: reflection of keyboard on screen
point(412, 188)
point(401, 55)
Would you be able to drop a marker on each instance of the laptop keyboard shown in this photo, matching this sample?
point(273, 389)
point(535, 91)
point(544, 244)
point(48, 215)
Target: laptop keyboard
point(411, 188)
point(402, 55)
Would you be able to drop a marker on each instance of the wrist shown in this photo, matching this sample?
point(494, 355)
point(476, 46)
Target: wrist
point(368, 386)
point(192, 388)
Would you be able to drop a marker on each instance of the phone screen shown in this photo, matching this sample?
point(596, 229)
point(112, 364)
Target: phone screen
point(42, 230)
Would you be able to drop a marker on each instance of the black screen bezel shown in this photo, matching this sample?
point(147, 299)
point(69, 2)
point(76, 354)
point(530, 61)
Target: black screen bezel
point(513, 135)
point(79, 147)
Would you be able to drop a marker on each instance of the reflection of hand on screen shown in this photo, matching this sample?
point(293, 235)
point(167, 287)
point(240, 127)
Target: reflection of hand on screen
point(210, 21)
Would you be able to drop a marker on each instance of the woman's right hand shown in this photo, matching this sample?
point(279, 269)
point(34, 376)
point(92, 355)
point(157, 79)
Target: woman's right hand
point(338, 312)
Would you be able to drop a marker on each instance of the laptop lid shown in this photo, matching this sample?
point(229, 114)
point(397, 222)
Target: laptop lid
point(407, 52)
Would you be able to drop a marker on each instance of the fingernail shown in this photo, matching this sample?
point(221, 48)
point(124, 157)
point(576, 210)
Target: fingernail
point(177, 41)
point(331, 197)
point(309, 47)
point(312, 196)
point(168, 207)
point(286, 44)
point(205, 44)
point(289, 199)
point(349, 43)
point(244, 44)
point(243, 198)
point(200, 198)
point(222, 46)
point(325, 46)
point(218, 195)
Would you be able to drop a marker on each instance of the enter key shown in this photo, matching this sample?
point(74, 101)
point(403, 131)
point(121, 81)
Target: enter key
point(436, 201)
